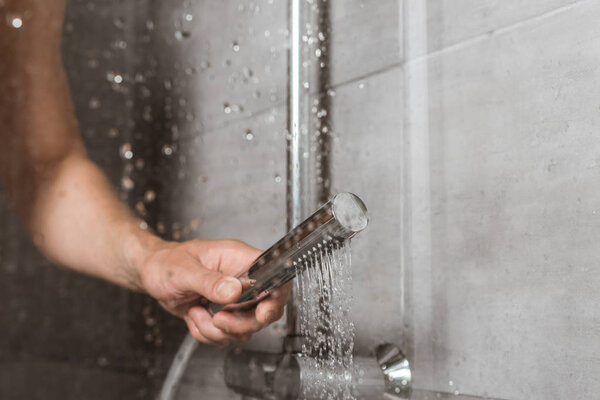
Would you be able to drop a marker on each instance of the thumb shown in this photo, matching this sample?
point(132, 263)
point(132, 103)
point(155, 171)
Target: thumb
point(213, 285)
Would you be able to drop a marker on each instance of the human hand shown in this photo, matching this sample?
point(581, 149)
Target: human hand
point(182, 275)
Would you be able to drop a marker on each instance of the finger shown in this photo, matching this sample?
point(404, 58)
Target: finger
point(271, 309)
point(238, 322)
point(204, 323)
point(213, 285)
point(195, 332)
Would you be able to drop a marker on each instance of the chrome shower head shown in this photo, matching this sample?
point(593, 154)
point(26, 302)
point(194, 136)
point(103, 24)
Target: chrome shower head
point(336, 221)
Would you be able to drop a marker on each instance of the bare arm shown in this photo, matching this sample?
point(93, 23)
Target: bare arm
point(65, 202)
point(70, 209)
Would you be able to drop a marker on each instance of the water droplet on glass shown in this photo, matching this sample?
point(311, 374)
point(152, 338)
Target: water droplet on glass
point(226, 108)
point(149, 196)
point(125, 151)
point(180, 35)
point(247, 72)
point(167, 150)
point(127, 183)
point(249, 135)
point(331, 92)
point(114, 77)
point(102, 361)
point(188, 17)
point(456, 392)
point(267, 33)
point(235, 46)
point(318, 53)
point(16, 22)
point(113, 132)
point(361, 85)
point(150, 25)
point(119, 22)
point(119, 44)
point(94, 103)
point(451, 383)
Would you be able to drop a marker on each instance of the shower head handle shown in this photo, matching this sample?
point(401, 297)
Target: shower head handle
point(336, 221)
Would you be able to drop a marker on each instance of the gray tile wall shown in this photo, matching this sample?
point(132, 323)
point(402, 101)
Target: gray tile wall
point(501, 164)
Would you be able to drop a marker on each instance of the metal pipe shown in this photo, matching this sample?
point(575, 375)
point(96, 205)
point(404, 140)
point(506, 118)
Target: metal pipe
point(294, 189)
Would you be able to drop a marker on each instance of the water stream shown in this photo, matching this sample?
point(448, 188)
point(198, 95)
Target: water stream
point(324, 298)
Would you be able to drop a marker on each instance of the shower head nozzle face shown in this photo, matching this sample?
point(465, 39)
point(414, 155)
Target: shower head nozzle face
point(350, 212)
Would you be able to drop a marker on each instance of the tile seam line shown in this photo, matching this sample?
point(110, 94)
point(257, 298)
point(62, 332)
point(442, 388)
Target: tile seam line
point(460, 395)
point(495, 32)
point(263, 111)
point(225, 124)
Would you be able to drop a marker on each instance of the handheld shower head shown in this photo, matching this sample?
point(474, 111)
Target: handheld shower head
point(336, 221)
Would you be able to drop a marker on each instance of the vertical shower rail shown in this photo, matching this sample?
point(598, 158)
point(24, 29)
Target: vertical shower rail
point(307, 151)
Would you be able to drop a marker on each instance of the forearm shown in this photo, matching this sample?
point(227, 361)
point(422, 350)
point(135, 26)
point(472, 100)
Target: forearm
point(76, 219)
point(63, 199)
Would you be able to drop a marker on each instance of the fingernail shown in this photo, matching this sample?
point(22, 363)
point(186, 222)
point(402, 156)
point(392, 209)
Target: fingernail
point(227, 287)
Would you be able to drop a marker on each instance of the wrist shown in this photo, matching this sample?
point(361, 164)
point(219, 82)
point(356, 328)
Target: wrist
point(138, 245)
